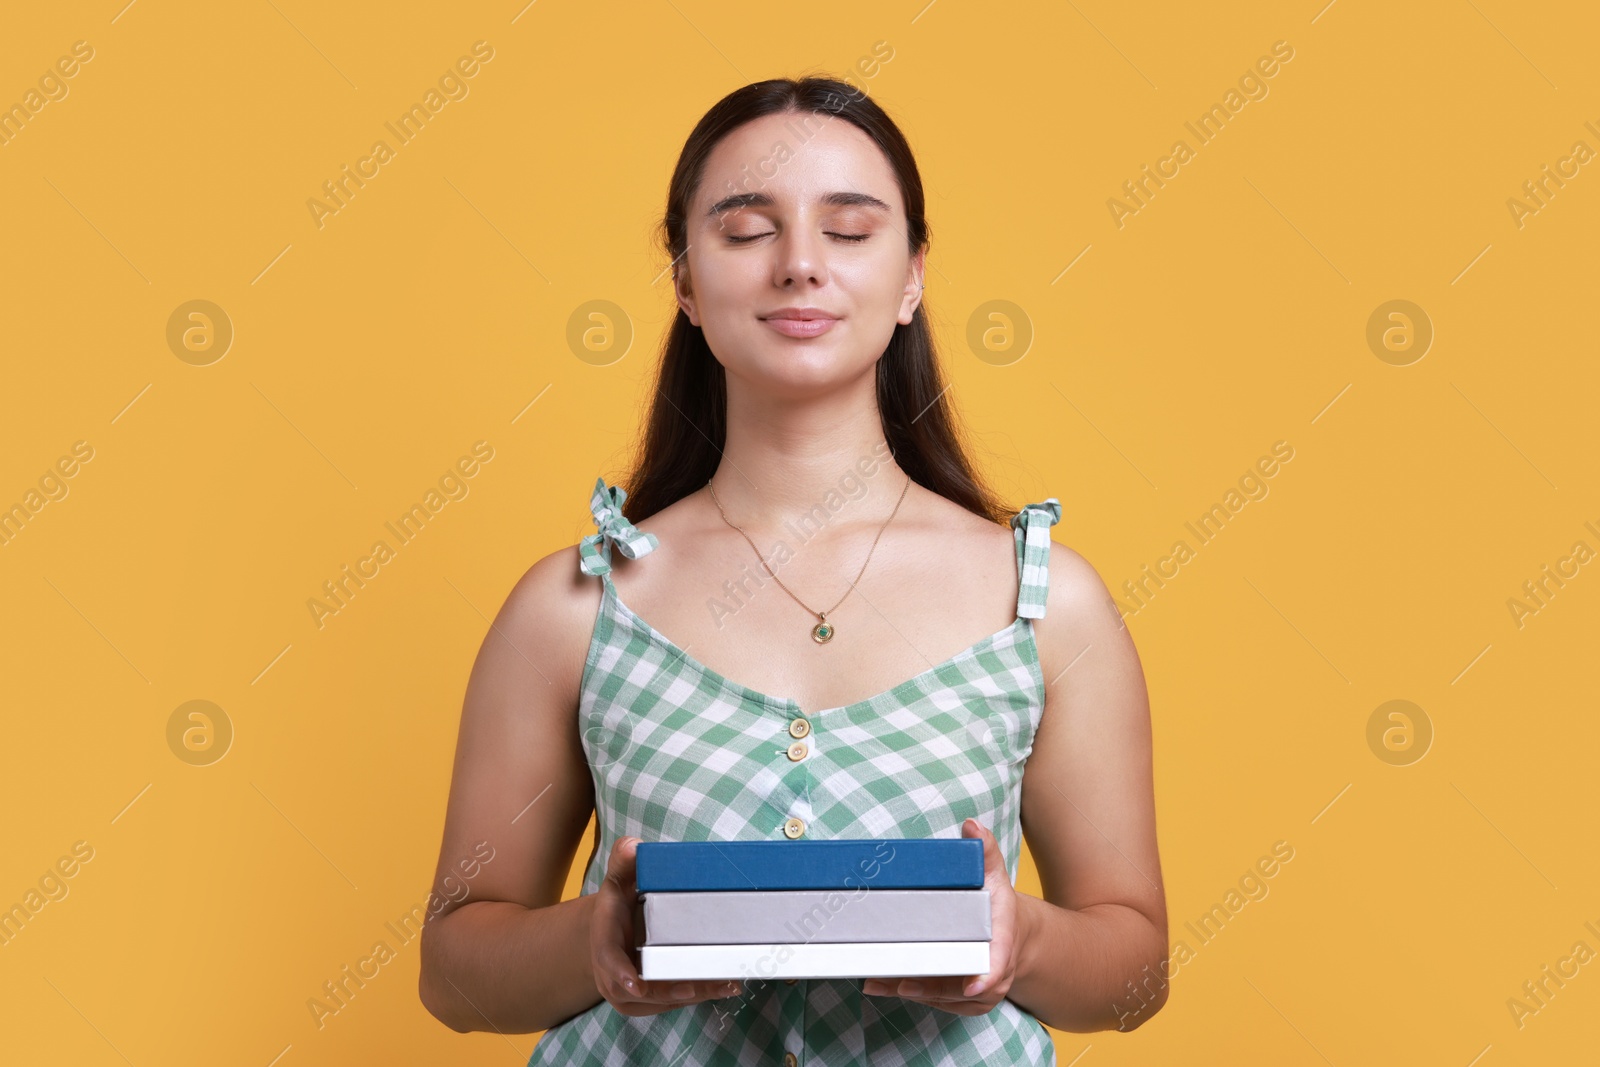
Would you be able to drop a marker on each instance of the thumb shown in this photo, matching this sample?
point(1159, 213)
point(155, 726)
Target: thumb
point(991, 848)
point(623, 863)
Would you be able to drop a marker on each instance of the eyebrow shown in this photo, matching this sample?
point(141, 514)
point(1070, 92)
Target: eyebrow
point(744, 200)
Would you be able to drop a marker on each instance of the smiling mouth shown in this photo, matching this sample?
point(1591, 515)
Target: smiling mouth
point(799, 314)
point(801, 328)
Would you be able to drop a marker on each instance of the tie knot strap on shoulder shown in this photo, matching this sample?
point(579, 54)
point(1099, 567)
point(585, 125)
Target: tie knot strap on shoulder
point(1032, 525)
point(594, 550)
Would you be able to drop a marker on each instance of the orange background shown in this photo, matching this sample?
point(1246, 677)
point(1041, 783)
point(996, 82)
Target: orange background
point(1167, 355)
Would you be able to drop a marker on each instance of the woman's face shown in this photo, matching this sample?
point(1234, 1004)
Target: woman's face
point(798, 211)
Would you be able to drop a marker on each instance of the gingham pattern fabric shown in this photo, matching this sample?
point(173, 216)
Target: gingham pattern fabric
point(1032, 526)
point(679, 752)
point(594, 551)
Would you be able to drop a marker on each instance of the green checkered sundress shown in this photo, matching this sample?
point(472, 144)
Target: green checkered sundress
point(680, 753)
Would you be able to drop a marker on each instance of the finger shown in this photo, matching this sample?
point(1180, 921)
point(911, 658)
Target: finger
point(896, 986)
point(994, 864)
point(956, 1007)
point(698, 991)
point(635, 1007)
point(998, 878)
point(625, 983)
point(935, 987)
point(673, 992)
point(611, 925)
point(652, 998)
point(610, 955)
point(622, 863)
point(612, 921)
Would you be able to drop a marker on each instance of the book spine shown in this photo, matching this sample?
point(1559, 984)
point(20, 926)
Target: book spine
point(923, 863)
point(882, 959)
point(822, 916)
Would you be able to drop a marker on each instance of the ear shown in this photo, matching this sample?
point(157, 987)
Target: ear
point(684, 292)
point(913, 291)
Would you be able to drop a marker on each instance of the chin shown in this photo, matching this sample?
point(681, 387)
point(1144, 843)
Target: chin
point(800, 370)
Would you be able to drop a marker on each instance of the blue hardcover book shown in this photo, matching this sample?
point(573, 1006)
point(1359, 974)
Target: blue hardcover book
point(842, 864)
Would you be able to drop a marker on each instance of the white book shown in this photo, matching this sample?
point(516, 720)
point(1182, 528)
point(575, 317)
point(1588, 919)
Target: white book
point(859, 959)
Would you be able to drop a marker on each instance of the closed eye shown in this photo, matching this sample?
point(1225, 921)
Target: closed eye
point(852, 237)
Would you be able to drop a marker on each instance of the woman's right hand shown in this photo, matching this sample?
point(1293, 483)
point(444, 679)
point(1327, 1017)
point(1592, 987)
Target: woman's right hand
point(612, 953)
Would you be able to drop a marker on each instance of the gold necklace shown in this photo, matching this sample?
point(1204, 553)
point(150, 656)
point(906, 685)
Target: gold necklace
point(824, 630)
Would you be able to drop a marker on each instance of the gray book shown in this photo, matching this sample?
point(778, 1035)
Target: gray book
point(801, 916)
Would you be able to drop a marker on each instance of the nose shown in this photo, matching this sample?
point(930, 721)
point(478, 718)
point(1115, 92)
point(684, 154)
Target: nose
point(801, 256)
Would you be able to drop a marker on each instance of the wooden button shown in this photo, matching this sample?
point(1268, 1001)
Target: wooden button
point(793, 828)
point(789, 1060)
point(798, 750)
point(799, 728)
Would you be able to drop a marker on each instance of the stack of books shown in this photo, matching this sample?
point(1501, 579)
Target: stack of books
point(846, 908)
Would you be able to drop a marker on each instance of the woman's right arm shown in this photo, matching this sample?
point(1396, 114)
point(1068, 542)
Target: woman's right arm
point(504, 952)
point(501, 951)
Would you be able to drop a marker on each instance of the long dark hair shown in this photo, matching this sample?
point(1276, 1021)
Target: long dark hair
point(687, 426)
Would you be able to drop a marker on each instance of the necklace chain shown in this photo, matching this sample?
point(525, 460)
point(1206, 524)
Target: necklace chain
point(824, 630)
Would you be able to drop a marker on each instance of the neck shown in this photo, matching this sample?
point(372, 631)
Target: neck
point(822, 460)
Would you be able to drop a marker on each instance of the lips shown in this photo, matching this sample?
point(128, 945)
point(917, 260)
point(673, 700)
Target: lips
point(799, 315)
point(790, 326)
point(800, 322)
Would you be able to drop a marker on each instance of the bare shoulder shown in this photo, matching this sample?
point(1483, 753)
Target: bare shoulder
point(556, 583)
point(1083, 629)
point(548, 617)
point(1077, 591)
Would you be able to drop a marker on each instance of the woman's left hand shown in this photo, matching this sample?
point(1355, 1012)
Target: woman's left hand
point(970, 994)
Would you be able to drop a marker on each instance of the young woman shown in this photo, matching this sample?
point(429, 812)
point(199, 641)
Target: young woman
point(805, 616)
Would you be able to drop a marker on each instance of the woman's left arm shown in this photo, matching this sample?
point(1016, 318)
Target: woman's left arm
point(1092, 954)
